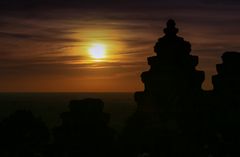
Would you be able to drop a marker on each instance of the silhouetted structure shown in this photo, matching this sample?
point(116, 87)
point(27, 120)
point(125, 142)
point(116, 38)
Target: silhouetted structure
point(227, 80)
point(23, 135)
point(175, 117)
point(166, 108)
point(84, 130)
point(224, 118)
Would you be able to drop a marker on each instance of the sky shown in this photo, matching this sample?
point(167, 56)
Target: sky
point(44, 43)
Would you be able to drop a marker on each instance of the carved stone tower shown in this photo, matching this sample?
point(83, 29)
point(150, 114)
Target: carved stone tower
point(168, 102)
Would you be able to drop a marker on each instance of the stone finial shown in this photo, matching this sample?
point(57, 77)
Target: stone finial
point(171, 29)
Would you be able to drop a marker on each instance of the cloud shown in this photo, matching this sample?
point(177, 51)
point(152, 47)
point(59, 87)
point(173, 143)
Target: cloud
point(40, 37)
point(37, 37)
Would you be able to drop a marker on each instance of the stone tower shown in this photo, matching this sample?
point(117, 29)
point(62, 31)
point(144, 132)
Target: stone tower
point(172, 81)
point(227, 79)
point(166, 106)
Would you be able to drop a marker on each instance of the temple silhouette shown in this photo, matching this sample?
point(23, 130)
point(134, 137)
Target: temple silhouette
point(84, 130)
point(175, 117)
point(23, 135)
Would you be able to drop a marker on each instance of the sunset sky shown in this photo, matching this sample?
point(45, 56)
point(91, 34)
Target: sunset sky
point(44, 44)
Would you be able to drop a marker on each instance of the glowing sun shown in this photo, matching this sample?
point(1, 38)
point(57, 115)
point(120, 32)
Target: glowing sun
point(97, 51)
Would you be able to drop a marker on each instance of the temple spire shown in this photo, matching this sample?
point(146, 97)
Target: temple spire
point(171, 29)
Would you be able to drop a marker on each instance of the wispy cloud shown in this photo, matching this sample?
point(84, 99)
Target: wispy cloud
point(43, 37)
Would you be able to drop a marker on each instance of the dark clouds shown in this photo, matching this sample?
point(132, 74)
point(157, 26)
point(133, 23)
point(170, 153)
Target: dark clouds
point(133, 5)
point(36, 37)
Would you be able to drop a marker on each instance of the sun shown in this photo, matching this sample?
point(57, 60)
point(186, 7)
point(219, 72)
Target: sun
point(97, 51)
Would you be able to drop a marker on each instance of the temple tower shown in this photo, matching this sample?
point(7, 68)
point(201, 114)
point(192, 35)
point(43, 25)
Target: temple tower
point(167, 106)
